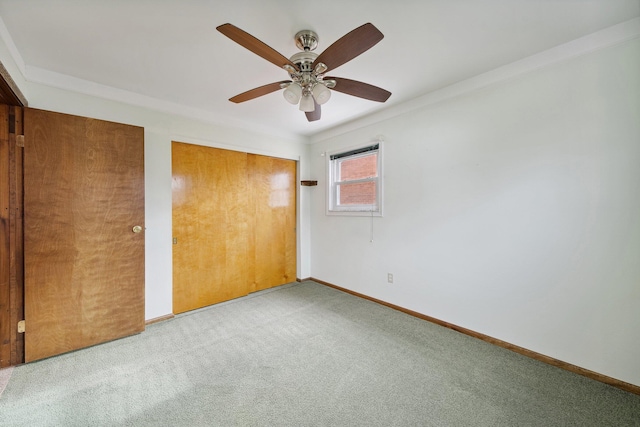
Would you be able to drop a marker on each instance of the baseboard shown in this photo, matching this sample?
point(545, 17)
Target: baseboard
point(520, 350)
point(159, 319)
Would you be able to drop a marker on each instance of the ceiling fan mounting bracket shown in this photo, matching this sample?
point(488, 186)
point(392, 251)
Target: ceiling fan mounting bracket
point(306, 40)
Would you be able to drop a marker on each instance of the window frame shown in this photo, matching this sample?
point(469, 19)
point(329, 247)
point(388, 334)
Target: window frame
point(332, 170)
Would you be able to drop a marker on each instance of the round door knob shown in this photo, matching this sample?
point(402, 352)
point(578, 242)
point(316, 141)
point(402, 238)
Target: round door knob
point(137, 229)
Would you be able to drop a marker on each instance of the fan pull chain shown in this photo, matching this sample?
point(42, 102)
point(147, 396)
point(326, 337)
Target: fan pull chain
point(371, 241)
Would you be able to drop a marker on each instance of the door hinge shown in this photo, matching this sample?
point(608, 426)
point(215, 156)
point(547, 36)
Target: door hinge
point(175, 240)
point(20, 140)
point(21, 327)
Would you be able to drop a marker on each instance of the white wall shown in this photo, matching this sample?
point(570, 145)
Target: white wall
point(513, 210)
point(160, 130)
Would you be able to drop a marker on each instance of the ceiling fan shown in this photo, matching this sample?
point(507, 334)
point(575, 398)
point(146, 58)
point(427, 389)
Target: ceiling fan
point(308, 85)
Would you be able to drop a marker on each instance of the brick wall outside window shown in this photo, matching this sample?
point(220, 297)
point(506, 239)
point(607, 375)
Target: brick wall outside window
point(363, 193)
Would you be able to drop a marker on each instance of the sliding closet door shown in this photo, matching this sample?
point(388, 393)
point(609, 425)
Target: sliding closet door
point(210, 225)
point(234, 220)
point(84, 232)
point(273, 195)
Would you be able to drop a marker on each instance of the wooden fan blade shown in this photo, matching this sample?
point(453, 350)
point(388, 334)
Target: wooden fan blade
point(359, 89)
point(315, 114)
point(349, 46)
point(259, 91)
point(246, 40)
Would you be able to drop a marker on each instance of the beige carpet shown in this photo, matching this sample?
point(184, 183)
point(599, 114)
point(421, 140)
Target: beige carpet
point(305, 355)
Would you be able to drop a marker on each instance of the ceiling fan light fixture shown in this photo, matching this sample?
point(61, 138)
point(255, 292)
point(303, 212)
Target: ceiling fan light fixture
point(320, 68)
point(306, 104)
point(321, 93)
point(292, 93)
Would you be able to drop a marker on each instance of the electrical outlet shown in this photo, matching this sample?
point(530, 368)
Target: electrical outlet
point(389, 277)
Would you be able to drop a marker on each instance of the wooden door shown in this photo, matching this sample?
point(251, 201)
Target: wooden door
point(210, 225)
point(84, 264)
point(273, 196)
point(234, 220)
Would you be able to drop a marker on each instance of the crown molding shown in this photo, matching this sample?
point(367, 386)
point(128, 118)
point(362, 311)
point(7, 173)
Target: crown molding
point(607, 37)
point(12, 48)
point(49, 78)
point(86, 87)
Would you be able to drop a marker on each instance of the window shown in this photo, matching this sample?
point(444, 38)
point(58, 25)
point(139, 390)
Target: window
point(355, 184)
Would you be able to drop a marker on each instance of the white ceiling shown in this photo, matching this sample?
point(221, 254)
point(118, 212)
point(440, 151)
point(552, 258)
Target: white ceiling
point(170, 52)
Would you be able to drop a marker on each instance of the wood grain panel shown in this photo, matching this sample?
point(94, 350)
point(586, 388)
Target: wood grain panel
point(272, 184)
point(5, 258)
point(11, 241)
point(16, 277)
point(210, 225)
point(234, 217)
point(84, 267)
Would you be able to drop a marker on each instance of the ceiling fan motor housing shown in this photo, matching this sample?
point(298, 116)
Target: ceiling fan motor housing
point(304, 60)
